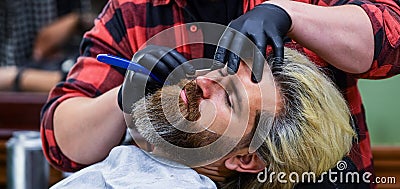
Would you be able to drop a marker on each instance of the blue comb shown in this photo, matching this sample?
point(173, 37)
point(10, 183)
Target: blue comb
point(126, 64)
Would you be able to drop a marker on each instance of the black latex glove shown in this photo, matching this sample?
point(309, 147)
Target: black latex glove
point(163, 62)
point(264, 25)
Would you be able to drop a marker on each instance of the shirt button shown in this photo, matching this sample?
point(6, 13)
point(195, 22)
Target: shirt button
point(193, 28)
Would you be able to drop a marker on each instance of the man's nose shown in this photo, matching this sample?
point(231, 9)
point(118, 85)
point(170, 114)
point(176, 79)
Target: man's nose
point(209, 87)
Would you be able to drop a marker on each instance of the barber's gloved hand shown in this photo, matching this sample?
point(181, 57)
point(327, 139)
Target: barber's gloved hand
point(266, 24)
point(163, 62)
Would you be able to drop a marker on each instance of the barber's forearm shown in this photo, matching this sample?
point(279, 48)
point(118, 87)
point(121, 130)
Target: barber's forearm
point(38, 80)
point(341, 35)
point(86, 129)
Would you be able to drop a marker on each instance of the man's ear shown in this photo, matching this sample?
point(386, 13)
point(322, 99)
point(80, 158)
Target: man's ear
point(247, 163)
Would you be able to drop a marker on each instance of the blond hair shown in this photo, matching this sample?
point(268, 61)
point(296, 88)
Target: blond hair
point(311, 132)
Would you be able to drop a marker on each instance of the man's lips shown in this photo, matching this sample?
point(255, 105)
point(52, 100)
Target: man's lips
point(184, 97)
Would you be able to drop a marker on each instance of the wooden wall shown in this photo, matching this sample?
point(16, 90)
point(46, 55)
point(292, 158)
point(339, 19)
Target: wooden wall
point(21, 111)
point(387, 164)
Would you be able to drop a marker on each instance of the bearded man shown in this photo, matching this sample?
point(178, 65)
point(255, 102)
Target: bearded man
point(292, 121)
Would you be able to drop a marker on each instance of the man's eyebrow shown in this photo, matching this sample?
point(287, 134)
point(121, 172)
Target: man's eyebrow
point(236, 91)
point(234, 88)
point(222, 73)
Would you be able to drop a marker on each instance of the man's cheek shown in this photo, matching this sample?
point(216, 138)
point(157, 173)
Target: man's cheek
point(208, 114)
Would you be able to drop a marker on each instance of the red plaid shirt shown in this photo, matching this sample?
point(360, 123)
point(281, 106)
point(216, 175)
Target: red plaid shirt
point(125, 25)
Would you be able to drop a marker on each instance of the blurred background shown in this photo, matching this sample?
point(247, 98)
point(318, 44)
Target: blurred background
point(382, 102)
point(39, 42)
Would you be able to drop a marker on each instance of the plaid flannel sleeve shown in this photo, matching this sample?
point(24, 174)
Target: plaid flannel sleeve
point(385, 20)
point(88, 78)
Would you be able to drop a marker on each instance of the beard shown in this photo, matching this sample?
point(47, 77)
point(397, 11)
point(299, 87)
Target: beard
point(166, 116)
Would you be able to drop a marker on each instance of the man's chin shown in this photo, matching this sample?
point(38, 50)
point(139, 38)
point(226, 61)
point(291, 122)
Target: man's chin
point(160, 114)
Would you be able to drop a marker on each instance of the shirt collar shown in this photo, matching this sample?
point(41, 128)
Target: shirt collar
point(180, 3)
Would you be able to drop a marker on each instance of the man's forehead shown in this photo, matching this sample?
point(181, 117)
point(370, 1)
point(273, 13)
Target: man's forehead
point(269, 93)
point(249, 63)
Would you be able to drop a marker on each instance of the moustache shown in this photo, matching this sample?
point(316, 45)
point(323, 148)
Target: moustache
point(189, 100)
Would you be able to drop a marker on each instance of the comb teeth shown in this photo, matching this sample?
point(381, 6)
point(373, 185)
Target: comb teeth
point(199, 73)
